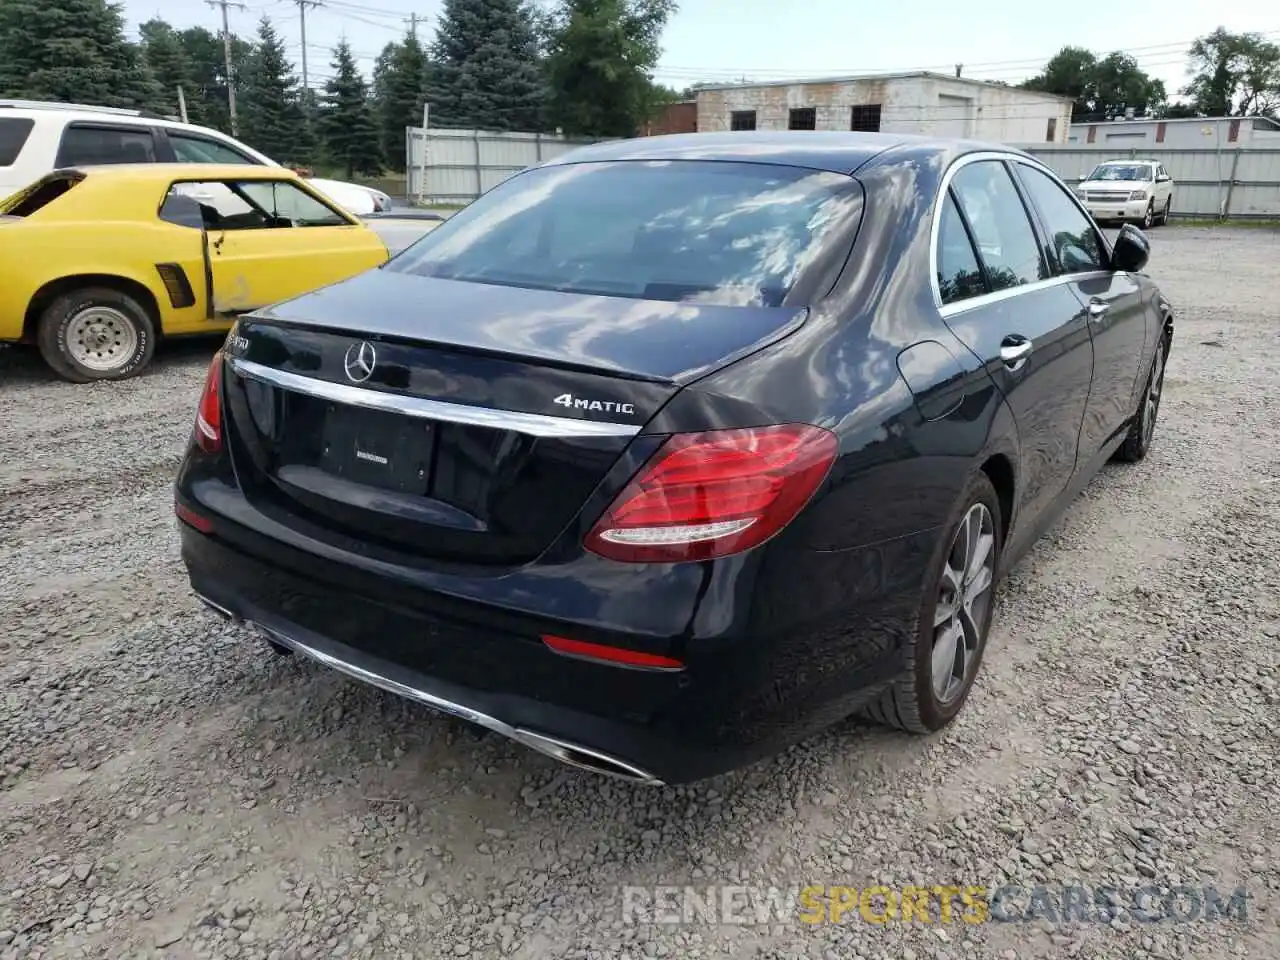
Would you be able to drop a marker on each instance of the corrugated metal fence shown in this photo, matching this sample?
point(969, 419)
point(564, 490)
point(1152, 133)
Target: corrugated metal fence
point(1241, 182)
point(462, 164)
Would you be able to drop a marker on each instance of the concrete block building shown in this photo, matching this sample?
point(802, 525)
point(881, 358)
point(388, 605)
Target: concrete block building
point(921, 102)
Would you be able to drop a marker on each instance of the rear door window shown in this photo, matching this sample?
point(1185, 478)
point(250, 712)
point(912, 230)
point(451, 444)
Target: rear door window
point(190, 149)
point(13, 137)
point(1006, 240)
point(85, 144)
point(39, 195)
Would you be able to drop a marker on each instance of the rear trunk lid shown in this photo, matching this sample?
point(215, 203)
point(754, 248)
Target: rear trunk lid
point(457, 420)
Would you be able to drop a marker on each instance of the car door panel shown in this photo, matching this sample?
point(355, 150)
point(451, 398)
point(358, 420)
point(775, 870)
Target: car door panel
point(1047, 389)
point(1116, 312)
point(255, 268)
point(1111, 301)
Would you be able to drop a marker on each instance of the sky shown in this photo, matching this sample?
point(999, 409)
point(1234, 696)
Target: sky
point(729, 40)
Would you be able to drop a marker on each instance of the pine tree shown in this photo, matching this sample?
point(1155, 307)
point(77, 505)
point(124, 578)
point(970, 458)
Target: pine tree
point(346, 118)
point(71, 50)
point(600, 62)
point(271, 109)
point(167, 58)
point(399, 90)
point(486, 73)
point(209, 72)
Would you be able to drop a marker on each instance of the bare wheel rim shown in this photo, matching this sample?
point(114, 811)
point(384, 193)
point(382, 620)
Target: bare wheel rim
point(101, 338)
point(1154, 389)
point(964, 597)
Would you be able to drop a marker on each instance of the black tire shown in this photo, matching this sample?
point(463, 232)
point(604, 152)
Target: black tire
point(1148, 218)
point(129, 318)
point(1137, 442)
point(910, 703)
point(1164, 214)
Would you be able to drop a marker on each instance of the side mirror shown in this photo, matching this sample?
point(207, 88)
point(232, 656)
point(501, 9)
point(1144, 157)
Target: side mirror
point(1131, 251)
point(1163, 178)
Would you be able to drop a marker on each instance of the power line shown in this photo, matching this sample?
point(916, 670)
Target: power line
point(990, 66)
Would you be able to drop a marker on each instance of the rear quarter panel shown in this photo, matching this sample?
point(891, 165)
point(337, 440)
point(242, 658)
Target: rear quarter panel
point(35, 254)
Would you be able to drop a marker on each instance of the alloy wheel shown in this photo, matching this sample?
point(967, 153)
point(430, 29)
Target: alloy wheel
point(963, 601)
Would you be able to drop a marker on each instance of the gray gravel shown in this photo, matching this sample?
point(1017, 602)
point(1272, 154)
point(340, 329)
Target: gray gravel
point(167, 787)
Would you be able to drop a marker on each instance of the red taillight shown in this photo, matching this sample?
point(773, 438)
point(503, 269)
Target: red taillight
point(707, 495)
point(209, 414)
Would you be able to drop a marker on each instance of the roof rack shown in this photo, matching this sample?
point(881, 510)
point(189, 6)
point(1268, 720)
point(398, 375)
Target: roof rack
point(87, 107)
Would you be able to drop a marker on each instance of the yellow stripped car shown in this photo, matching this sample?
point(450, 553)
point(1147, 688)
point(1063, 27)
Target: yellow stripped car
point(98, 263)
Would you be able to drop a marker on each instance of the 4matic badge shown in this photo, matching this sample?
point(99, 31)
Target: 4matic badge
point(603, 406)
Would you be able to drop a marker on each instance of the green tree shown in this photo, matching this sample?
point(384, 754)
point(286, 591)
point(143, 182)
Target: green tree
point(1119, 83)
point(486, 73)
point(601, 55)
point(271, 109)
point(71, 50)
point(1177, 111)
point(1100, 88)
point(346, 117)
point(1234, 74)
point(399, 90)
point(1069, 73)
point(165, 55)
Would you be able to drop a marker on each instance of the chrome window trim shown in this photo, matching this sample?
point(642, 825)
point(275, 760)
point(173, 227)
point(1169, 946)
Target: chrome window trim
point(533, 424)
point(972, 303)
point(964, 306)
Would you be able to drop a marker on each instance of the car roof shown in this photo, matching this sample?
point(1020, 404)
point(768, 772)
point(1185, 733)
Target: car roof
point(835, 151)
point(148, 172)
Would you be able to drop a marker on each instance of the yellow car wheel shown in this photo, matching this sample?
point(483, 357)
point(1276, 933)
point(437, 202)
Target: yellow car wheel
point(96, 333)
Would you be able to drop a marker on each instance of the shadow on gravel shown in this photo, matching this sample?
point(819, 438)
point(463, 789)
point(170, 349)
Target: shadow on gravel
point(21, 364)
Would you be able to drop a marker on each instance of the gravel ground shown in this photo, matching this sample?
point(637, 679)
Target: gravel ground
point(169, 788)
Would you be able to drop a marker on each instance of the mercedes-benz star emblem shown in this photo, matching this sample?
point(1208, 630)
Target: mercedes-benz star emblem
point(360, 361)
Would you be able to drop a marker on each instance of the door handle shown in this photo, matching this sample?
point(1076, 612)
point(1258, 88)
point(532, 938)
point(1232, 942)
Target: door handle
point(1014, 352)
point(1097, 308)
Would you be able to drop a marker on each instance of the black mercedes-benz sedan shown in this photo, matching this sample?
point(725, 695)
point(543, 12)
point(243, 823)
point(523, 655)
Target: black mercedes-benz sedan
point(668, 453)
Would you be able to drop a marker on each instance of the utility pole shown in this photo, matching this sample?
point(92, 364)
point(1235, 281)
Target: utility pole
point(413, 20)
point(302, 23)
point(226, 52)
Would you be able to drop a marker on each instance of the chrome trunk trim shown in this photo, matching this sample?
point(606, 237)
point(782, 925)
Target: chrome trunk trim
point(533, 424)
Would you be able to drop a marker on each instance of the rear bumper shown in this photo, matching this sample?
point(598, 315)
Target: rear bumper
point(396, 679)
point(795, 646)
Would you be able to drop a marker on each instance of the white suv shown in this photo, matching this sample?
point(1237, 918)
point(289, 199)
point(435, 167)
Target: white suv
point(1137, 190)
point(37, 137)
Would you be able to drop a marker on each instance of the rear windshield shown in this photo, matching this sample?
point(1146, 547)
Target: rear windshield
point(700, 231)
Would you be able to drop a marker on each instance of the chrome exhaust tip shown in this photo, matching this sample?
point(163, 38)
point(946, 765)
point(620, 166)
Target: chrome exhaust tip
point(216, 607)
point(584, 758)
